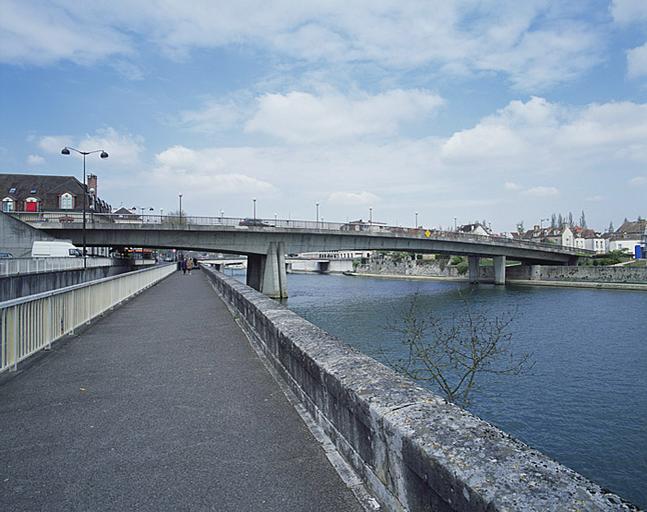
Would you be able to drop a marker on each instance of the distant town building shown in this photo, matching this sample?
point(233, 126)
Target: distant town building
point(628, 235)
point(558, 236)
point(585, 238)
point(474, 229)
point(39, 193)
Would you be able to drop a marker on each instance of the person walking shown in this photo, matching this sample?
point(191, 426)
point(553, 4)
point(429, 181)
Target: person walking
point(184, 266)
point(189, 265)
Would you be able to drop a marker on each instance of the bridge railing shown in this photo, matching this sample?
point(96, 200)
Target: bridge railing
point(21, 266)
point(32, 323)
point(361, 227)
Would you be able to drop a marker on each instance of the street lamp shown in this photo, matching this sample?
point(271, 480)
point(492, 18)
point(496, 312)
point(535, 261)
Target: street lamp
point(416, 225)
point(180, 196)
point(254, 201)
point(103, 154)
point(455, 226)
point(317, 217)
point(276, 219)
point(370, 215)
point(141, 210)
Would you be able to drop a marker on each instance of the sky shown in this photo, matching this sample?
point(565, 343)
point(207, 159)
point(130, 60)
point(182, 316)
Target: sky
point(502, 111)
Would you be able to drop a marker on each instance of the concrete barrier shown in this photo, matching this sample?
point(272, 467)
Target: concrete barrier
point(413, 450)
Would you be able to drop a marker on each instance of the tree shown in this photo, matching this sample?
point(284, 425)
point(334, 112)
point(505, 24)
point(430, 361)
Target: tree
point(571, 222)
point(560, 221)
point(451, 353)
point(611, 230)
point(553, 221)
point(583, 220)
point(174, 217)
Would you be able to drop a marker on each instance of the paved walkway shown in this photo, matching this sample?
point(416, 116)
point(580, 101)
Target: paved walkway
point(162, 405)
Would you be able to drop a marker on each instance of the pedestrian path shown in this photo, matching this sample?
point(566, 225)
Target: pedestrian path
point(162, 405)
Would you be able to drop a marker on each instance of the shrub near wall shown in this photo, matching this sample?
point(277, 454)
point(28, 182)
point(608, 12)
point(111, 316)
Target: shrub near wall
point(414, 451)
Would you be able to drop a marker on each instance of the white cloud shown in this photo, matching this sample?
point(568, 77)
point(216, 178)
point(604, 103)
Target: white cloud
point(35, 160)
point(301, 117)
point(214, 116)
point(638, 181)
point(537, 43)
point(43, 33)
point(124, 149)
point(637, 61)
point(204, 172)
point(541, 191)
point(509, 185)
point(629, 11)
point(353, 198)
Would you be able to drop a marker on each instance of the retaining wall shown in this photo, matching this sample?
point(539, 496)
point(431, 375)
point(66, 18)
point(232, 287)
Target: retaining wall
point(12, 287)
point(624, 274)
point(414, 451)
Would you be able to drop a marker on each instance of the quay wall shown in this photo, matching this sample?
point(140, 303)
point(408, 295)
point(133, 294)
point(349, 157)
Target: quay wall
point(21, 285)
point(414, 451)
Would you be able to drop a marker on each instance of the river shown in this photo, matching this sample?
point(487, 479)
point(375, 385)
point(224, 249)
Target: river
point(584, 403)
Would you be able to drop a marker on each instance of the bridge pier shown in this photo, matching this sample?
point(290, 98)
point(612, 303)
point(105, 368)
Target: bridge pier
point(473, 268)
point(499, 269)
point(267, 273)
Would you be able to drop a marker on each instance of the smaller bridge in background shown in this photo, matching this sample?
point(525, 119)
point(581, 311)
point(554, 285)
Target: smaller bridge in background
point(266, 242)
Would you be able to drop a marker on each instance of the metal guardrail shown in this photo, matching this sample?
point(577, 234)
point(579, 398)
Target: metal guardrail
point(21, 266)
point(369, 228)
point(32, 323)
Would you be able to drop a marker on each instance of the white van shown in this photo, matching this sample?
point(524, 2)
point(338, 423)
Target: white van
point(54, 249)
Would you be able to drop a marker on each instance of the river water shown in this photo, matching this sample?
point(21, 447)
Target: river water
point(584, 403)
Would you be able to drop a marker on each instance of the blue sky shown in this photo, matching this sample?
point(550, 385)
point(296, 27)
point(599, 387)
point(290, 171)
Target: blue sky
point(497, 110)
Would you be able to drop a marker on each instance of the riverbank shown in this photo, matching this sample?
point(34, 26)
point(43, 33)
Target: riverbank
point(528, 282)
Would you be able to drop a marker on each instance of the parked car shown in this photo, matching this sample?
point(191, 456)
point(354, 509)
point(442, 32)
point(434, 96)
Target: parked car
point(54, 249)
point(5, 255)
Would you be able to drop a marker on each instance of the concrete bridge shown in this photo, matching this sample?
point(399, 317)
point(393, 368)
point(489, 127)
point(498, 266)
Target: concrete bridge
point(266, 242)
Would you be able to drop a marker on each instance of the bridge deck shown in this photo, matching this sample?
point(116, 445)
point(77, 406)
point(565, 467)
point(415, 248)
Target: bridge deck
point(162, 405)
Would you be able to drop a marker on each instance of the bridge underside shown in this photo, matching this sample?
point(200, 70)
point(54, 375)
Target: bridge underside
point(266, 248)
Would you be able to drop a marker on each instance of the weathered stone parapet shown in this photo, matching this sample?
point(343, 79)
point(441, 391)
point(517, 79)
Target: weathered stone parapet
point(413, 450)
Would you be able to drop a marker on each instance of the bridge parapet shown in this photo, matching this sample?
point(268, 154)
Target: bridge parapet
point(413, 450)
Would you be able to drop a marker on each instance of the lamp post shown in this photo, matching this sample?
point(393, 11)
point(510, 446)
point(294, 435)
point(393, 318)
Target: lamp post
point(455, 226)
point(276, 219)
point(254, 201)
point(141, 210)
point(103, 154)
point(370, 215)
point(317, 217)
point(180, 196)
point(161, 215)
point(416, 225)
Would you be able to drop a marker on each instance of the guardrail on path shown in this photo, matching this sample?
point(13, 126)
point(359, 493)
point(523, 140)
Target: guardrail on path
point(32, 323)
point(15, 266)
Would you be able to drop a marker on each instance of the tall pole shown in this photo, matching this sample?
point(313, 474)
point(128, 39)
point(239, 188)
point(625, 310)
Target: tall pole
point(370, 215)
point(455, 226)
point(416, 220)
point(85, 198)
point(180, 196)
point(317, 205)
point(254, 201)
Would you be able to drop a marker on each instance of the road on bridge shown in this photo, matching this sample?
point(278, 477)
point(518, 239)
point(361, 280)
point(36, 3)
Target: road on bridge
point(162, 405)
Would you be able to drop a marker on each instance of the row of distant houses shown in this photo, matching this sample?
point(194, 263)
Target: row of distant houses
point(626, 237)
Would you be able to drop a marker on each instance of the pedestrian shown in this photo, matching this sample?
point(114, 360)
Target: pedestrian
point(189, 265)
point(195, 263)
point(184, 266)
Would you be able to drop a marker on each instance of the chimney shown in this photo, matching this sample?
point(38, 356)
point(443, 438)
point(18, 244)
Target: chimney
point(92, 184)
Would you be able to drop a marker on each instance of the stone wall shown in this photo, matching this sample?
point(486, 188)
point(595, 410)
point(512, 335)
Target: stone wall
point(17, 238)
point(414, 451)
point(579, 274)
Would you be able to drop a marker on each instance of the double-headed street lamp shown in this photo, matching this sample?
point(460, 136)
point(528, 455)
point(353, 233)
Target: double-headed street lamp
point(103, 154)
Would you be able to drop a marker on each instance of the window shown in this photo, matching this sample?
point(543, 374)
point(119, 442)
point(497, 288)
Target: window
point(33, 190)
point(8, 204)
point(12, 190)
point(66, 201)
point(31, 204)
